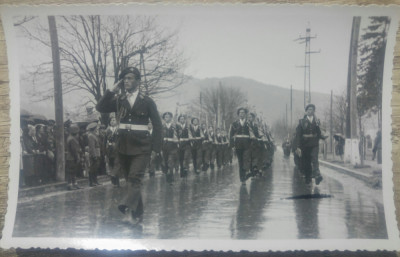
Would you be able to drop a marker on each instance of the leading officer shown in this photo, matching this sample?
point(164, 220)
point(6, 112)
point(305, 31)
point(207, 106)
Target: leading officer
point(134, 142)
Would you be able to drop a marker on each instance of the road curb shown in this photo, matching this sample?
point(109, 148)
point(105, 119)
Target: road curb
point(55, 187)
point(353, 173)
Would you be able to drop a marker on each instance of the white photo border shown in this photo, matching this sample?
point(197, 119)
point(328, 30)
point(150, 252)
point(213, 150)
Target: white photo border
point(8, 241)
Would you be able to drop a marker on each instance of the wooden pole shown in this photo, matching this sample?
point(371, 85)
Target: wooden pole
point(351, 117)
point(58, 101)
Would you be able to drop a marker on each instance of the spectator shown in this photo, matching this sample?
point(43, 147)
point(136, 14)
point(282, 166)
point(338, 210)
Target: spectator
point(377, 150)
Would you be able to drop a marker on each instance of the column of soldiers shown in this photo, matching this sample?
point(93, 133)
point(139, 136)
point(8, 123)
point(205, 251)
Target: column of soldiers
point(253, 145)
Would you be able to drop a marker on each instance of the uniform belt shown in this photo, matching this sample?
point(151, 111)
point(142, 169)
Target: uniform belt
point(133, 127)
point(197, 138)
point(171, 139)
point(184, 139)
point(242, 136)
point(309, 135)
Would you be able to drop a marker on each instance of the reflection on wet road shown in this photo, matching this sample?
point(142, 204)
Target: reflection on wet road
point(214, 205)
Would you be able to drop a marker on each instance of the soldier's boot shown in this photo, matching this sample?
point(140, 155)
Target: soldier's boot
point(91, 182)
point(170, 177)
point(76, 186)
point(205, 167)
point(184, 172)
point(318, 179)
point(212, 166)
point(152, 174)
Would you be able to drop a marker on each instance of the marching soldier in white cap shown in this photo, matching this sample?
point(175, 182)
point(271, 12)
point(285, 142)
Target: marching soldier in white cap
point(197, 140)
point(170, 146)
point(185, 136)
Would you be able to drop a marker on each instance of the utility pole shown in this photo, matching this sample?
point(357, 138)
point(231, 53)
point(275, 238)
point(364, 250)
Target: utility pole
point(58, 101)
point(291, 107)
point(307, 63)
point(286, 120)
point(351, 115)
point(331, 124)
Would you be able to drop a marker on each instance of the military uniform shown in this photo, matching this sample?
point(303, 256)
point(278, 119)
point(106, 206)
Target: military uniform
point(308, 134)
point(185, 136)
point(239, 136)
point(255, 150)
point(134, 142)
point(212, 149)
point(170, 149)
point(205, 150)
point(219, 151)
point(197, 140)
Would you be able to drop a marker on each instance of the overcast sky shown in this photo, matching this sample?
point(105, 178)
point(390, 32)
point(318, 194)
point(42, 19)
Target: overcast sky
point(255, 42)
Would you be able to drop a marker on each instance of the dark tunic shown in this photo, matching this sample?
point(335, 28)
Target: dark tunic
point(134, 142)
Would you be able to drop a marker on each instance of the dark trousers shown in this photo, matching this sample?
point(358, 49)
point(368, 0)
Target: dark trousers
point(243, 155)
point(219, 155)
point(184, 156)
point(94, 168)
point(72, 169)
point(196, 156)
point(134, 168)
point(309, 161)
point(170, 159)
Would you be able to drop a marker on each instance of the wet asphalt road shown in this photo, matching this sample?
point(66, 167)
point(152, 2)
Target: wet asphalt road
point(214, 205)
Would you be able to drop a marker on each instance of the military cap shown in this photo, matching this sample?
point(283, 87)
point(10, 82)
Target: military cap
point(194, 119)
point(91, 126)
point(242, 108)
point(127, 70)
point(253, 114)
point(310, 105)
point(167, 113)
point(73, 129)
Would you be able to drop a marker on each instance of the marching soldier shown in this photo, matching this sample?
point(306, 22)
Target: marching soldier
point(134, 142)
point(197, 140)
point(94, 153)
point(227, 151)
point(212, 149)
point(308, 134)
point(205, 147)
point(73, 156)
point(219, 148)
point(239, 137)
point(254, 145)
point(170, 146)
point(185, 136)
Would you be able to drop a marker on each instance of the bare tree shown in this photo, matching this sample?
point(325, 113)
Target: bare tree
point(220, 99)
point(94, 48)
point(338, 113)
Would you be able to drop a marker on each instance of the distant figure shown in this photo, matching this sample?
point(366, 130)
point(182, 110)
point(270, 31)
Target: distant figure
point(87, 162)
point(378, 147)
point(286, 148)
point(339, 147)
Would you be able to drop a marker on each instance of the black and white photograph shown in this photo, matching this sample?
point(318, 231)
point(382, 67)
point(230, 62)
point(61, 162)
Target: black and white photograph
point(201, 127)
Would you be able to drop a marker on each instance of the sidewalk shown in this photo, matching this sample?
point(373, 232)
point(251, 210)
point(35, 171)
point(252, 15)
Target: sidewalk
point(370, 173)
point(56, 186)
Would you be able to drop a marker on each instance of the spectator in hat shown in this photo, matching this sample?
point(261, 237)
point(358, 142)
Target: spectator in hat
point(73, 157)
point(94, 152)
